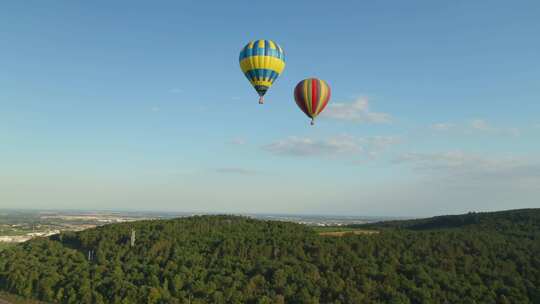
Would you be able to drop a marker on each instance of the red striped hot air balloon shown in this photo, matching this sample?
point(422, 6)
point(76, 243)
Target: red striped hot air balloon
point(312, 96)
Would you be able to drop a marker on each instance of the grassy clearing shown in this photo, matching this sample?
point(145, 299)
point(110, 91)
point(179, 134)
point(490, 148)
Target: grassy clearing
point(4, 245)
point(14, 232)
point(341, 231)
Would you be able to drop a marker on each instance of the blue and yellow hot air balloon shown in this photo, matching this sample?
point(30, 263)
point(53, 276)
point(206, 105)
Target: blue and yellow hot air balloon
point(262, 61)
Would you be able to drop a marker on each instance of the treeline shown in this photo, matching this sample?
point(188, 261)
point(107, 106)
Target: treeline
point(512, 221)
point(224, 259)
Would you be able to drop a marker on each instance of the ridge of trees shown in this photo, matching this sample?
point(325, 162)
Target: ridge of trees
point(471, 258)
point(518, 219)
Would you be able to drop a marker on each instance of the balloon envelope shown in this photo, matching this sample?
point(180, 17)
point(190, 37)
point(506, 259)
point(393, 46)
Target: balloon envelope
point(262, 61)
point(312, 96)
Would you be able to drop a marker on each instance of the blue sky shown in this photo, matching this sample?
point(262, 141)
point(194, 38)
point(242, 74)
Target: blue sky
point(142, 105)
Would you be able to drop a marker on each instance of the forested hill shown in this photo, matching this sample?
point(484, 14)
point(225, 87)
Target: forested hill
point(519, 220)
point(226, 259)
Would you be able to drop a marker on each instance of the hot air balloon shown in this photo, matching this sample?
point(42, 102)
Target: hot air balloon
point(312, 96)
point(262, 61)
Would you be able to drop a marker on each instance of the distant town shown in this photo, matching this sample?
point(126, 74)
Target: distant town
point(18, 226)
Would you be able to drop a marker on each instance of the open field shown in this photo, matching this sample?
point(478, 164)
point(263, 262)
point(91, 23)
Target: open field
point(5, 245)
point(7, 231)
point(341, 231)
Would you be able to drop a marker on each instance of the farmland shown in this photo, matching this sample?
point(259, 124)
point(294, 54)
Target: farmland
point(342, 231)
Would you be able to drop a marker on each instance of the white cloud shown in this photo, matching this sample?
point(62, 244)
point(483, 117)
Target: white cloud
point(343, 145)
point(515, 132)
point(480, 124)
point(458, 181)
point(466, 167)
point(357, 111)
point(377, 144)
point(476, 126)
point(155, 109)
point(442, 126)
point(297, 146)
point(238, 141)
point(451, 159)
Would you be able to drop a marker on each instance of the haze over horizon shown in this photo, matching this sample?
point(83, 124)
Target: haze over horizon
point(242, 213)
point(142, 106)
